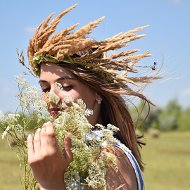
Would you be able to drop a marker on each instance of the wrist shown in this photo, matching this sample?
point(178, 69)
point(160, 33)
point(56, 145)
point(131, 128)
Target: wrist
point(55, 186)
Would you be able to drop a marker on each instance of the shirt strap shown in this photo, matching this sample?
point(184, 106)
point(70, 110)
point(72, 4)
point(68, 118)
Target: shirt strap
point(134, 163)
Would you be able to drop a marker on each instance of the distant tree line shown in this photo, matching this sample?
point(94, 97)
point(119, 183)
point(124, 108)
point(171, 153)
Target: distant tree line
point(171, 117)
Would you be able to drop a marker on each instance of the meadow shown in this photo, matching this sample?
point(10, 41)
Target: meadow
point(167, 160)
point(167, 163)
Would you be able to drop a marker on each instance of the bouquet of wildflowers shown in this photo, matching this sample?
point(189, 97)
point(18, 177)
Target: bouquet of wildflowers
point(89, 143)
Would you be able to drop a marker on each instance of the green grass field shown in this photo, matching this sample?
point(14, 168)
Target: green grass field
point(9, 168)
point(167, 162)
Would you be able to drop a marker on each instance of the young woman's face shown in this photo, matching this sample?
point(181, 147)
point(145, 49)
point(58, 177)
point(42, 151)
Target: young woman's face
point(71, 87)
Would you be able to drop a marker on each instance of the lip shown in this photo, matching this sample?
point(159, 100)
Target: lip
point(54, 111)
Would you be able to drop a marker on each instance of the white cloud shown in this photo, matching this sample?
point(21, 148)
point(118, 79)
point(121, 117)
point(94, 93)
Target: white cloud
point(186, 92)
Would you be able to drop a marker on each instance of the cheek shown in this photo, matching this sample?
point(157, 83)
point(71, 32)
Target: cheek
point(88, 96)
point(70, 94)
point(89, 101)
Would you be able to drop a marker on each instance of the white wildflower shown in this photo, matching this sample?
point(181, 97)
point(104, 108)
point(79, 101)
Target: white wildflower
point(58, 86)
point(88, 112)
point(18, 128)
point(12, 117)
point(23, 83)
point(104, 144)
point(62, 119)
point(53, 98)
point(5, 132)
point(112, 128)
point(99, 126)
point(87, 140)
point(68, 101)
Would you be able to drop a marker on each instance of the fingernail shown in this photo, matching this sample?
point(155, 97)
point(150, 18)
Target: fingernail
point(29, 137)
point(39, 129)
point(69, 135)
point(47, 123)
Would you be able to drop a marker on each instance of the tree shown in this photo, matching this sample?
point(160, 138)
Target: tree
point(184, 120)
point(145, 116)
point(169, 116)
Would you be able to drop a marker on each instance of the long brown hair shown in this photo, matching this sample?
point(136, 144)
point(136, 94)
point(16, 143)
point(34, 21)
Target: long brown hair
point(113, 108)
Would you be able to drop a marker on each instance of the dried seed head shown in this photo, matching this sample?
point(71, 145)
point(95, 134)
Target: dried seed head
point(75, 47)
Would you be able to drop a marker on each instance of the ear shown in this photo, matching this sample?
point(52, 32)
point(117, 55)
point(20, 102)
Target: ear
point(98, 98)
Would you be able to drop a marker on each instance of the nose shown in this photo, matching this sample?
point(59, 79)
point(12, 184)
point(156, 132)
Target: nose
point(54, 97)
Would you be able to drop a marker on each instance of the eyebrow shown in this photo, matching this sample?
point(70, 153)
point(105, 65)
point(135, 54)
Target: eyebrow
point(57, 80)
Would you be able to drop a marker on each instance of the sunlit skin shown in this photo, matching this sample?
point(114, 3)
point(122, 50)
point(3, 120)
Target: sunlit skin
point(52, 73)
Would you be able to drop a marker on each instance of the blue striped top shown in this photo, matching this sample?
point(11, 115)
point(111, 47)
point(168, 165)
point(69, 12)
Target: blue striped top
point(134, 163)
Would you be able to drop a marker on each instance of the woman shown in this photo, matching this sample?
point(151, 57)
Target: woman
point(84, 71)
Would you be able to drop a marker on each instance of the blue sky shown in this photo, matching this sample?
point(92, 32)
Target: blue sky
point(167, 38)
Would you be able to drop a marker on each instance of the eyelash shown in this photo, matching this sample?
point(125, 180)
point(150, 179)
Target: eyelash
point(45, 89)
point(66, 88)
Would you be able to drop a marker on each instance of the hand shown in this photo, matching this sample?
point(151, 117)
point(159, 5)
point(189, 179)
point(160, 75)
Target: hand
point(47, 161)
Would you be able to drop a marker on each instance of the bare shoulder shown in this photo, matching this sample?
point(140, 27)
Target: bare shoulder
point(124, 178)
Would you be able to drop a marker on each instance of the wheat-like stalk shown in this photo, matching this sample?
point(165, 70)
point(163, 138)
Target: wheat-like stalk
point(75, 47)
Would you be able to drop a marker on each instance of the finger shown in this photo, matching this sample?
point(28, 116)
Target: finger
point(44, 126)
point(30, 147)
point(44, 142)
point(50, 132)
point(49, 128)
point(51, 142)
point(68, 145)
point(37, 143)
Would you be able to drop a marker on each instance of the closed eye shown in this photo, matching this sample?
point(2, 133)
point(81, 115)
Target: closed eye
point(67, 88)
point(45, 89)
